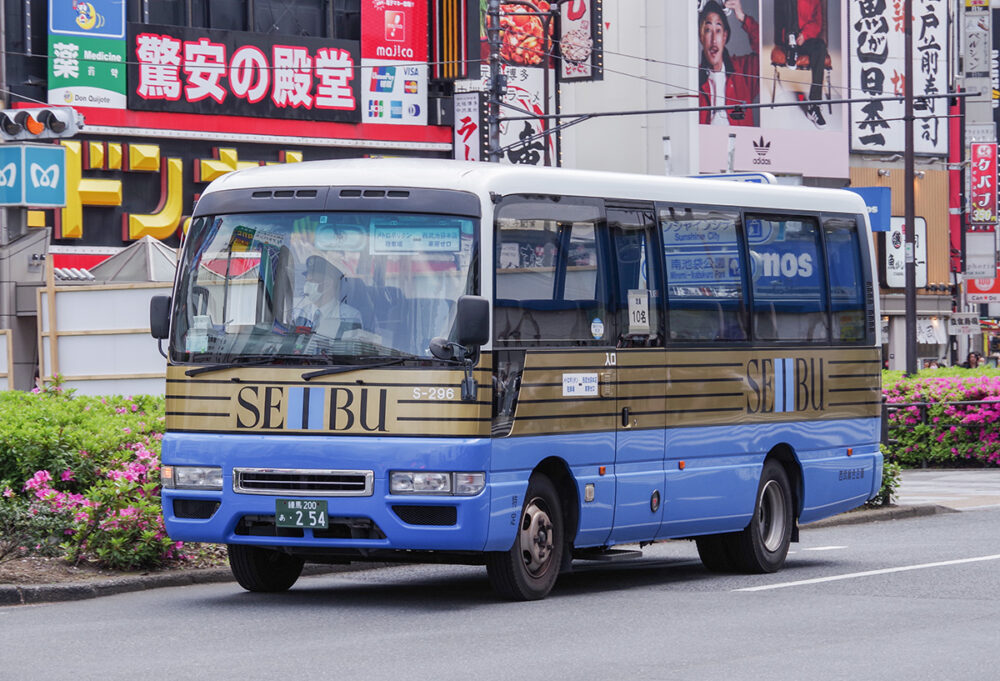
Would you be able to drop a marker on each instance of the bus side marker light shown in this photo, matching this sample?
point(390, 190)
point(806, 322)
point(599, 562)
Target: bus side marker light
point(602, 470)
point(588, 492)
point(680, 465)
point(850, 451)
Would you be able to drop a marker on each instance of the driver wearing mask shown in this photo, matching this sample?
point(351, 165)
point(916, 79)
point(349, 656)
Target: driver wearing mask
point(323, 309)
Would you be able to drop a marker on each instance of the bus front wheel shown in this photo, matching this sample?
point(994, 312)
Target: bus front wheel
point(528, 570)
point(263, 570)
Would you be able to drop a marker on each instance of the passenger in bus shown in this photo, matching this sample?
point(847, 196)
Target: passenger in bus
point(323, 308)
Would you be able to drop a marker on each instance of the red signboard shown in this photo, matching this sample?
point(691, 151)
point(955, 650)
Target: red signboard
point(394, 30)
point(983, 185)
point(197, 70)
point(983, 290)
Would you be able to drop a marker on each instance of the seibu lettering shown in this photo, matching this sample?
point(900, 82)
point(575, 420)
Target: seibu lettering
point(345, 408)
point(784, 384)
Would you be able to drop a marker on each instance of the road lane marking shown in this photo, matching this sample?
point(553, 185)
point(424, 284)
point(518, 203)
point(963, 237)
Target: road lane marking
point(870, 573)
point(824, 548)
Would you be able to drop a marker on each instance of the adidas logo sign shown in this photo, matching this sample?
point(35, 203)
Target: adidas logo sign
point(761, 148)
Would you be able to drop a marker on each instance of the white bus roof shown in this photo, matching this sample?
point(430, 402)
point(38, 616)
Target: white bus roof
point(484, 178)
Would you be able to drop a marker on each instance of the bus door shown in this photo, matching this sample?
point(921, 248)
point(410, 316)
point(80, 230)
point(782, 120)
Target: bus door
point(639, 366)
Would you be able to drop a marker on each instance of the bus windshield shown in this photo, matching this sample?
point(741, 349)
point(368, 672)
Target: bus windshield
point(320, 288)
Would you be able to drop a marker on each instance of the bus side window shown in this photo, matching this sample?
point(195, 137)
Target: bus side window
point(549, 284)
point(704, 275)
point(789, 288)
point(847, 291)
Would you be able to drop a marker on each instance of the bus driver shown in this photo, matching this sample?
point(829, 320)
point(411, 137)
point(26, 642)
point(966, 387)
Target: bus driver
point(323, 308)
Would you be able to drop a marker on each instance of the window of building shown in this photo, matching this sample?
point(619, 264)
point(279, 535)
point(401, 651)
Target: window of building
point(549, 281)
point(789, 286)
point(704, 274)
point(229, 16)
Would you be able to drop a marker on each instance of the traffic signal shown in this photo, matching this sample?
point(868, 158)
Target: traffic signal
point(41, 123)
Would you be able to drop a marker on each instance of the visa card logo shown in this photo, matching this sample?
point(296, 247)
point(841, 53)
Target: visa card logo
point(383, 79)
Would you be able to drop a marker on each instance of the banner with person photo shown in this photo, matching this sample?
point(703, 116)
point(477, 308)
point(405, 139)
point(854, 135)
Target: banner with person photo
point(786, 52)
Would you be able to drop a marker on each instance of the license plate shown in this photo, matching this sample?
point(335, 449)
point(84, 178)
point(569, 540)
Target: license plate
point(301, 513)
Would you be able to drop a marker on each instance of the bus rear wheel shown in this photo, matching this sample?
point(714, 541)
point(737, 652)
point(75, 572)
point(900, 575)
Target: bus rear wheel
point(263, 570)
point(763, 545)
point(528, 570)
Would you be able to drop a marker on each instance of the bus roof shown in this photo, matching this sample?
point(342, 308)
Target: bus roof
point(484, 178)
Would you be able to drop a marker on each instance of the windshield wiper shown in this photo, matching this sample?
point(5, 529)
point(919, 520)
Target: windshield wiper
point(344, 368)
point(248, 361)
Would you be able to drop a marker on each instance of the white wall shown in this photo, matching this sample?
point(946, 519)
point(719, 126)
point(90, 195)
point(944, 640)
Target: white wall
point(662, 32)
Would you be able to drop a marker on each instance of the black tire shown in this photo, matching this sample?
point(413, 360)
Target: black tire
point(528, 570)
point(263, 570)
point(714, 551)
point(763, 545)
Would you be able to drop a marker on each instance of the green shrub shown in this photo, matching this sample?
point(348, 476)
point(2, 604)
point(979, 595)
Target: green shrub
point(891, 474)
point(56, 431)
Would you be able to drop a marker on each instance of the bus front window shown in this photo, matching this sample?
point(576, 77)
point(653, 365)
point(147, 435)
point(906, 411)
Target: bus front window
point(321, 287)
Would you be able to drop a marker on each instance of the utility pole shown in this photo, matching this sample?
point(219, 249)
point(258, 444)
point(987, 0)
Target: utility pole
point(497, 85)
point(909, 218)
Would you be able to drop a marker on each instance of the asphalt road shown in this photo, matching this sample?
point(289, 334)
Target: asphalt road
point(905, 599)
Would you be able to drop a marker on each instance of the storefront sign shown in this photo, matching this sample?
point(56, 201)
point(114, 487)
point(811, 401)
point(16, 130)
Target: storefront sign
point(580, 44)
point(878, 201)
point(895, 249)
point(394, 62)
point(878, 68)
point(983, 184)
point(980, 254)
point(468, 126)
point(985, 290)
point(963, 325)
point(87, 54)
point(172, 68)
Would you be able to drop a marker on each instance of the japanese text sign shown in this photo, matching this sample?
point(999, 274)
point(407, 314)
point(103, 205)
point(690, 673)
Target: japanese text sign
point(204, 71)
point(878, 69)
point(983, 184)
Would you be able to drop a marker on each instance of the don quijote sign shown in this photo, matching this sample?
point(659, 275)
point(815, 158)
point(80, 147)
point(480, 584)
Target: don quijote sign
point(194, 70)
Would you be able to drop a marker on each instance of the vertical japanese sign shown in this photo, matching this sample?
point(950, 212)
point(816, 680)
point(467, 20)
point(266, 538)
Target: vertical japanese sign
point(197, 70)
point(580, 41)
point(394, 51)
point(87, 53)
point(983, 184)
point(468, 138)
point(895, 253)
point(878, 68)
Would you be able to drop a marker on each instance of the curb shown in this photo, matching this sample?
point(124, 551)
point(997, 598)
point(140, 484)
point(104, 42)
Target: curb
point(871, 515)
point(28, 594)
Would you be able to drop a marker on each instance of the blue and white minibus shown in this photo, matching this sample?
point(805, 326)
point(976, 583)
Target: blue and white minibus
point(422, 360)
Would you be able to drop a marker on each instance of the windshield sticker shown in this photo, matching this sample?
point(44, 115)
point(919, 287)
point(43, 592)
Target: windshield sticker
point(331, 237)
point(241, 239)
point(415, 240)
point(597, 328)
point(579, 385)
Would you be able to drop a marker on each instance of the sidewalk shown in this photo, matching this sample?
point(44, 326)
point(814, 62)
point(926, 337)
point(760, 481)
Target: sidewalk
point(921, 493)
point(962, 490)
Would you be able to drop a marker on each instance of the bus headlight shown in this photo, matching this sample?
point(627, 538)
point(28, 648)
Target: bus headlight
point(191, 477)
point(425, 482)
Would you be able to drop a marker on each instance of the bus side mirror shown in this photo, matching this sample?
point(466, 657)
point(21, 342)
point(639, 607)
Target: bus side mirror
point(159, 317)
point(472, 320)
